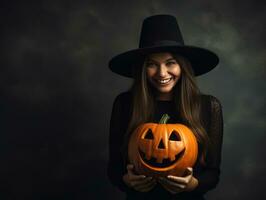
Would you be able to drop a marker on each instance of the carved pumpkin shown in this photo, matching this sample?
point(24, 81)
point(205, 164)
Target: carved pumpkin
point(162, 149)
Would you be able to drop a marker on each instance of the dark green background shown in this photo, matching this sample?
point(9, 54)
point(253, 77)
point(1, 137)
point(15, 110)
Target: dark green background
point(57, 91)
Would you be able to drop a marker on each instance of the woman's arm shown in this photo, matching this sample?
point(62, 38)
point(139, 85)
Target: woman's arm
point(209, 178)
point(116, 168)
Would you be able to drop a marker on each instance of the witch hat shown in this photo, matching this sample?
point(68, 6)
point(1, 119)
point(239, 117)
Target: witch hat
point(161, 33)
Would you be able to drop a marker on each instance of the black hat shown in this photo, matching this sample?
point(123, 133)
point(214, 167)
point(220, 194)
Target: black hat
point(161, 33)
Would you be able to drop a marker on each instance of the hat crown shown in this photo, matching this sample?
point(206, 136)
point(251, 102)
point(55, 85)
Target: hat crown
point(160, 30)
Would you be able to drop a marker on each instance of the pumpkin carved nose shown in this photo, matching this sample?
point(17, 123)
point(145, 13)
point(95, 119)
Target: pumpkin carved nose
point(161, 145)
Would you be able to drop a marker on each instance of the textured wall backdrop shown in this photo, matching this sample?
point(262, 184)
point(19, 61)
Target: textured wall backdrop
point(56, 91)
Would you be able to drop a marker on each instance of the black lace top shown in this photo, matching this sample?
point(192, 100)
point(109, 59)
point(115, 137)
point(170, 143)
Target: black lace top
point(208, 176)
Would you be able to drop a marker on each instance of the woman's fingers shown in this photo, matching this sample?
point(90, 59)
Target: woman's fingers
point(183, 180)
point(130, 168)
point(175, 184)
point(171, 183)
point(132, 175)
point(138, 182)
point(189, 171)
point(134, 178)
point(169, 188)
point(179, 180)
point(142, 181)
point(144, 187)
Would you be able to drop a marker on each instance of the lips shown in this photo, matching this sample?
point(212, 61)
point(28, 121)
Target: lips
point(163, 81)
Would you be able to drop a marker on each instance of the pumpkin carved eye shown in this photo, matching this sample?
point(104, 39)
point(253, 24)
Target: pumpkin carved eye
point(175, 136)
point(149, 135)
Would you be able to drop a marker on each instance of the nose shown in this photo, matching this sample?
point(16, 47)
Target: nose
point(161, 145)
point(162, 71)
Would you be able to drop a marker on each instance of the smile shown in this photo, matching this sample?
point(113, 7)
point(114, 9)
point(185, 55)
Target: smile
point(163, 81)
point(165, 163)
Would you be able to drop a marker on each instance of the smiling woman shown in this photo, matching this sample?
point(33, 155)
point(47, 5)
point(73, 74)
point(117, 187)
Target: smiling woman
point(163, 72)
point(163, 69)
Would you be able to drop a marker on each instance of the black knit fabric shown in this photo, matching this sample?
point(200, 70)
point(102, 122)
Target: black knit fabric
point(208, 176)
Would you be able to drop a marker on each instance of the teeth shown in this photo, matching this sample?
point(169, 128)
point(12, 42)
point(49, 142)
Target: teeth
point(164, 81)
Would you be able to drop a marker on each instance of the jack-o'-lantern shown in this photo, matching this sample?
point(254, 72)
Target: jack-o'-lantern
point(162, 149)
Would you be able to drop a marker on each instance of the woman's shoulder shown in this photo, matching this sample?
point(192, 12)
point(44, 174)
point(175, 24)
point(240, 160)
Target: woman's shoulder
point(209, 97)
point(123, 97)
point(211, 100)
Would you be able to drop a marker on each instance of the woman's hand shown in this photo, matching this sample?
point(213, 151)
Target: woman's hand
point(140, 183)
point(176, 184)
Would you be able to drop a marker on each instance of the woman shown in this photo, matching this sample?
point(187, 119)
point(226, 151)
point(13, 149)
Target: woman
point(164, 71)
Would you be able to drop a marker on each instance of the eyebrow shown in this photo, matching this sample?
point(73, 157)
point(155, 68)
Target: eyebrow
point(149, 59)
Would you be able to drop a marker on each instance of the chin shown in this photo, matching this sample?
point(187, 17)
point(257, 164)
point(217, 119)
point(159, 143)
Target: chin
point(165, 91)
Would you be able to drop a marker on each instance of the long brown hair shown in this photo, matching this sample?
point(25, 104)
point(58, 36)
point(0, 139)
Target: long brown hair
point(186, 97)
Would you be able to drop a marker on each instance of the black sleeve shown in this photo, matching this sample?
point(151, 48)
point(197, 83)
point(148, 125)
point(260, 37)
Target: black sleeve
point(116, 167)
point(209, 177)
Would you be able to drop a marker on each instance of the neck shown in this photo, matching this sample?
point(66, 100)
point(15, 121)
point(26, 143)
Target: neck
point(165, 96)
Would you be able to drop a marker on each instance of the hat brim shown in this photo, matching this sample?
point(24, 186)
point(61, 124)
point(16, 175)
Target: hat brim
point(202, 60)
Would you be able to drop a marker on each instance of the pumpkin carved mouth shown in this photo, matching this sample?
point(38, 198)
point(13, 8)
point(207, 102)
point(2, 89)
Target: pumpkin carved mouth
point(165, 163)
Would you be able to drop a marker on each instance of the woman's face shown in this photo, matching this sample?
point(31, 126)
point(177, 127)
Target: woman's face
point(163, 72)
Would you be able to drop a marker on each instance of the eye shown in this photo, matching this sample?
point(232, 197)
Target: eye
point(149, 135)
point(171, 63)
point(175, 136)
point(150, 64)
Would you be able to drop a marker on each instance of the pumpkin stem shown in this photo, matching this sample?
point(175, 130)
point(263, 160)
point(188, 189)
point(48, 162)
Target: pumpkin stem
point(164, 119)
